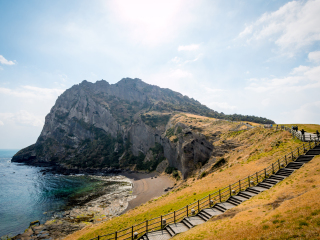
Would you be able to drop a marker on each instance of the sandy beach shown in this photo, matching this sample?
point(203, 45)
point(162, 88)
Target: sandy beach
point(147, 186)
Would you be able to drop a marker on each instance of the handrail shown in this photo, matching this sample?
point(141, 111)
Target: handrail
point(221, 195)
point(299, 135)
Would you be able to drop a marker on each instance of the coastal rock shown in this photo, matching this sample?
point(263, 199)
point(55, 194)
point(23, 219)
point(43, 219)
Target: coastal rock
point(162, 166)
point(101, 125)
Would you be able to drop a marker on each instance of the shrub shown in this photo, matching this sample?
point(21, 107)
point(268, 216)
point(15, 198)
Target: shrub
point(219, 163)
point(203, 174)
point(169, 170)
point(303, 223)
point(176, 175)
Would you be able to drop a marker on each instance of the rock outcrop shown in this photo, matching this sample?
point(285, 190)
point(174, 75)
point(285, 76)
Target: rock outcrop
point(102, 125)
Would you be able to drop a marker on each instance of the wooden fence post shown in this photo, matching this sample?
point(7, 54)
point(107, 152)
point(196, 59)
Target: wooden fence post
point(116, 235)
point(272, 168)
point(285, 158)
point(187, 210)
point(265, 173)
point(257, 177)
point(239, 186)
point(279, 163)
point(146, 226)
point(220, 194)
point(249, 180)
point(161, 221)
point(132, 232)
point(198, 206)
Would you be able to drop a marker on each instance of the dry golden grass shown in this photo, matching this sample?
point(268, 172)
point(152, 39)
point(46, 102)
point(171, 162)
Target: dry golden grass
point(311, 128)
point(289, 210)
point(258, 150)
point(207, 126)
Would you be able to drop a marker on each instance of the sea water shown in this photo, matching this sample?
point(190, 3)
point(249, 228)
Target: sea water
point(27, 194)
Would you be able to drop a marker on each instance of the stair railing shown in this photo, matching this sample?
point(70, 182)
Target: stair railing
point(222, 195)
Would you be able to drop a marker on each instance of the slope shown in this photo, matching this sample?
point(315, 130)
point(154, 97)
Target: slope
point(259, 147)
point(289, 210)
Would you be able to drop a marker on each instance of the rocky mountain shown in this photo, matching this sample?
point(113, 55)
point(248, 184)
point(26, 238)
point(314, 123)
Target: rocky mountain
point(127, 124)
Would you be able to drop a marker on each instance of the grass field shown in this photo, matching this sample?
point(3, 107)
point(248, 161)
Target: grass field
point(311, 128)
point(289, 210)
point(259, 147)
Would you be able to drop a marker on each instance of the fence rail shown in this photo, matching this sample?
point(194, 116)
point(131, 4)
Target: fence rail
point(307, 137)
point(158, 223)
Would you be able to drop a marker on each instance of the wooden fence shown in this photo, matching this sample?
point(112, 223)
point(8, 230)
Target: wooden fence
point(158, 223)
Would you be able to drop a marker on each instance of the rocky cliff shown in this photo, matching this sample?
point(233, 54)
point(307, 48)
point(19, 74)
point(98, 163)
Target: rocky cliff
point(127, 124)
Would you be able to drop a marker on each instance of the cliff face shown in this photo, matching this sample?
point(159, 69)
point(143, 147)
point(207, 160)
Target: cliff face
point(98, 125)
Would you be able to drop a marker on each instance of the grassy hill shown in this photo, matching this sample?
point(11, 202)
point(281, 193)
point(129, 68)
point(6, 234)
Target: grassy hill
point(277, 212)
point(289, 210)
point(311, 128)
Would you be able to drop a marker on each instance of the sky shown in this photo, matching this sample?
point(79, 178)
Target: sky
point(249, 57)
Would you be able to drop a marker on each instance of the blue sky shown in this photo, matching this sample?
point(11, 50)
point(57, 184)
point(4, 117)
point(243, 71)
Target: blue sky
point(250, 57)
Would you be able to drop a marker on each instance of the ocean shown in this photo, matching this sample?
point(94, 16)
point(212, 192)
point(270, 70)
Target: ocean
point(27, 194)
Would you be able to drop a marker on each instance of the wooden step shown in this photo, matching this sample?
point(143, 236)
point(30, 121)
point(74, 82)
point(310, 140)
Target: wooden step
point(193, 221)
point(157, 235)
point(206, 214)
point(221, 209)
point(170, 231)
point(239, 198)
point(188, 223)
point(265, 185)
point(203, 216)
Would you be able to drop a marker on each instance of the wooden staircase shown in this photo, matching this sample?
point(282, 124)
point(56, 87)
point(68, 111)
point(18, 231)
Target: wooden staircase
point(219, 208)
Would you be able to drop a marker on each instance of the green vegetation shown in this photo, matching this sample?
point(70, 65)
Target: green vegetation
point(170, 132)
point(130, 159)
point(174, 172)
point(203, 174)
point(155, 120)
point(218, 163)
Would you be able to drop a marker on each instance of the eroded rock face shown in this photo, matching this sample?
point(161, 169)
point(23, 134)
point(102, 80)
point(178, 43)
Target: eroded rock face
point(192, 150)
point(95, 125)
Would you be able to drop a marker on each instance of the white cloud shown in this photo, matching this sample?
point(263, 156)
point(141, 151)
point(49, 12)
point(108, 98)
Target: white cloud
point(179, 73)
point(22, 118)
point(306, 113)
point(294, 25)
point(300, 69)
point(1, 123)
point(265, 102)
point(302, 78)
point(176, 60)
point(5, 61)
point(32, 92)
point(212, 90)
point(190, 47)
point(314, 56)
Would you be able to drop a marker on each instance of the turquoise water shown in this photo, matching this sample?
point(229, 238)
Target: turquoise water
point(26, 194)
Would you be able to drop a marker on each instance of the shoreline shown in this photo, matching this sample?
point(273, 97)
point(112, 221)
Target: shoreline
point(147, 186)
point(137, 188)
